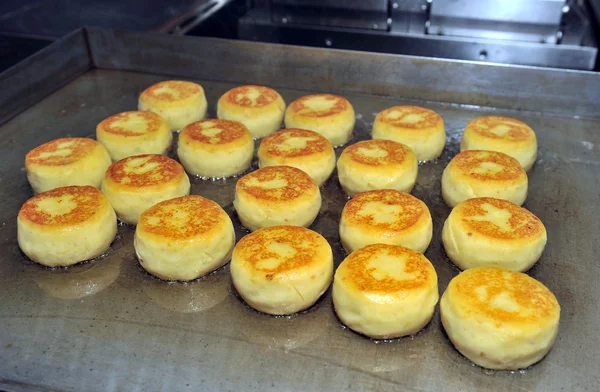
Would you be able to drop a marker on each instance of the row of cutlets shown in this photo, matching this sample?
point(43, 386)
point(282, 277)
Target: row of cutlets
point(386, 288)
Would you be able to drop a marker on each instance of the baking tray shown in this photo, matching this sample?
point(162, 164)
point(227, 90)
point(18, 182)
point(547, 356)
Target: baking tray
point(107, 325)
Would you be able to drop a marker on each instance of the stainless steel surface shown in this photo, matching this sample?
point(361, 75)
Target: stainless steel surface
point(39, 75)
point(361, 14)
point(549, 33)
point(256, 25)
point(409, 16)
point(462, 82)
point(578, 22)
point(515, 20)
point(107, 325)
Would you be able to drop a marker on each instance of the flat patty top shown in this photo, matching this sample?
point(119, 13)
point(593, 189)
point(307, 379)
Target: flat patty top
point(293, 143)
point(59, 152)
point(277, 183)
point(487, 166)
point(184, 217)
point(388, 269)
point(319, 105)
point(409, 118)
point(132, 124)
point(63, 207)
point(385, 210)
point(278, 250)
point(145, 170)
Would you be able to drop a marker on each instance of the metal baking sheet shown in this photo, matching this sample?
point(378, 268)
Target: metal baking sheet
point(108, 325)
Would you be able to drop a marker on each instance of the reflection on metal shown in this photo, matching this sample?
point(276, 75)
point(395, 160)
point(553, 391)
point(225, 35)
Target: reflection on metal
point(78, 281)
point(287, 332)
point(193, 17)
point(188, 297)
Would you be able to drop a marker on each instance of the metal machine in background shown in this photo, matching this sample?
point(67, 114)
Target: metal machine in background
point(549, 33)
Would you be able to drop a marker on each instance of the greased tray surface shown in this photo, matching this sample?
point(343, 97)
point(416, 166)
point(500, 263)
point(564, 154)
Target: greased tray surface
point(108, 325)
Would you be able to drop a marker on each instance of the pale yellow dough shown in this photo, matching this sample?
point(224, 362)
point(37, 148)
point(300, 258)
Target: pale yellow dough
point(500, 319)
point(377, 164)
point(178, 102)
point(477, 173)
point(299, 148)
point(283, 269)
point(276, 195)
point(259, 108)
point(385, 216)
point(385, 291)
point(66, 161)
point(134, 133)
point(420, 129)
point(184, 238)
point(507, 135)
point(66, 225)
point(493, 232)
point(329, 115)
point(136, 183)
point(215, 148)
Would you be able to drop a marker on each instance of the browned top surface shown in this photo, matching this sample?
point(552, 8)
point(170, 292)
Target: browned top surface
point(58, 152)
point(505, 128)
point(385, 209)
point(145, 170)
point(171, 90)
point(182, 218)
point(499, 218)
point(409, 117)
point(319, 105)
point(251, 96)
point(276, 183)
point(64, 206)
point(133, 123)
point(293, 142)
point(278, 249)
point(377, 152)
point(487, 165)
point(502, 296)
point(215, 131)
point(388, 269)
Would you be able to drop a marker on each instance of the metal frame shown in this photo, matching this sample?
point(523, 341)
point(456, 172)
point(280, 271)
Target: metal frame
point(257, 25)
point(42, 73)
point(556, 91)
